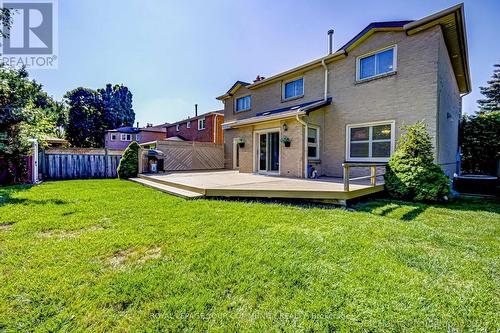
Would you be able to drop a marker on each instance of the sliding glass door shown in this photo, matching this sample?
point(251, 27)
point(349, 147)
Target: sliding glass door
point(269, 152)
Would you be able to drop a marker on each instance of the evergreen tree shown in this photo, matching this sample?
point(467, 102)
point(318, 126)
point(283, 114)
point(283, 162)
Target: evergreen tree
point(129, 163)
point(491, 92)
point(411, 173)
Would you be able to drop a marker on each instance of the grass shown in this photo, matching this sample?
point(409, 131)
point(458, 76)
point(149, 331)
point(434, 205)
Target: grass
point(110, 255)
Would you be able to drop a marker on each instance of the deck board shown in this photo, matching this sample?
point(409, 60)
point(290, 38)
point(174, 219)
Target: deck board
point(231, 183)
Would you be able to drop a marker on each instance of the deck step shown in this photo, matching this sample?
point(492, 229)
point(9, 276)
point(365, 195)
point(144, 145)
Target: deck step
point(168, 189)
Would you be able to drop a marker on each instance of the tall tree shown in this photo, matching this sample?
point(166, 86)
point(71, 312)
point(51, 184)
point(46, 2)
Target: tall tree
point(93, 112)
point(491, 92)
point(117, 106)
point(84, 118)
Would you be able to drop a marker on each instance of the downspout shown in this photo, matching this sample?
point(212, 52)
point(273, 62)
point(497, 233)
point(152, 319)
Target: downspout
point(215, 128)
point(305, 143)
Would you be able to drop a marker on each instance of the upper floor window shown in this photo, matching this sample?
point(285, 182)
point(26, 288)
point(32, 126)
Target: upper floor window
point(177, 127)
point(370, 142)
point(126, 137)
point(201, 124)
point(188, 124)
point(137, 137)
point(377, 63)
point(112, 136)
point(313, 142)
point(244, 103)
point(292, 89)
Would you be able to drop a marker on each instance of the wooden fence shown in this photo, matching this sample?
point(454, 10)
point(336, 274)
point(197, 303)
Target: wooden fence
point(183, 155)
point(79, 163)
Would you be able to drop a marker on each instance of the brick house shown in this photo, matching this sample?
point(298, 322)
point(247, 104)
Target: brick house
point(121, 137)
point(203, 128)
point(349, 105)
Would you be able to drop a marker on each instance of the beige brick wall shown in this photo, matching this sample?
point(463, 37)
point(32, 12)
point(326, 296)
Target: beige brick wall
point(449, 112)
point(406, 97)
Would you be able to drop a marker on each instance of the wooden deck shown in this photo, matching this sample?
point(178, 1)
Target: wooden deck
point(231, 183)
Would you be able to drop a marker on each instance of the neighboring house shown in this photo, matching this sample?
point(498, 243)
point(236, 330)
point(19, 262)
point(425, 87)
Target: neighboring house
point(350, 105)
point(121, 137)
point(203, 128)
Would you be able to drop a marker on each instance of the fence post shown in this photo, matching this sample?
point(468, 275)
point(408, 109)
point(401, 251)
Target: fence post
point(346, 177)
point(373, 175)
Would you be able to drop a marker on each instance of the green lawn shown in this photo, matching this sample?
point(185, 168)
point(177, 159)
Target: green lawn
point(104, 255)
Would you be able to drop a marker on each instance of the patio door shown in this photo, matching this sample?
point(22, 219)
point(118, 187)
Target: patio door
point(268, 152)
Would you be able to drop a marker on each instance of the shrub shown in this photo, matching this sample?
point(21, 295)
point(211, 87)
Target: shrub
point(129, 163)
point(411, 173)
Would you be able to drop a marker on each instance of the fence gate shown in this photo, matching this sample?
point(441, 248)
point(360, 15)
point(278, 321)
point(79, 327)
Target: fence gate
point(79, 163)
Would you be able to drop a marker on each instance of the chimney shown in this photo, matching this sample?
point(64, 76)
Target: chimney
point(330, 41)
point(137, 124)
point(196, 110)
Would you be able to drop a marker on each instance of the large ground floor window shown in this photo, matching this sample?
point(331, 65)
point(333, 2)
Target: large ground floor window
point(370, 142)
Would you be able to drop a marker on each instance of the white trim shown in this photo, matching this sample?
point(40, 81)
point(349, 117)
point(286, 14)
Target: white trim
point(285, 82)
point(236, 103)
point(256, 151)
point(200, 120)
point(394, 62)
point(370, 141)
point(126, 137)
point(318, 154)
point(235, 148)
point(111, 135)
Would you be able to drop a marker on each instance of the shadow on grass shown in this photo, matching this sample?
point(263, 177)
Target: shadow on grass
point(409, 211)
point(7, 196)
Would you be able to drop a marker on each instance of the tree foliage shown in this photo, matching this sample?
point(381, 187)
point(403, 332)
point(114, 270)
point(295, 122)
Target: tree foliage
point(129, 163)
point(492, 93)
point(480, 143)
point(92, 112)
point(26, 112)
point(411, 173)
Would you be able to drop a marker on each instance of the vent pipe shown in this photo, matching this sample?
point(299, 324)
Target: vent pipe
point(330, 41)
point(196, 110)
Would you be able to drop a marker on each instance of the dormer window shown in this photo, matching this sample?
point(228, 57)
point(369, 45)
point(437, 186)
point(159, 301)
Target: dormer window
point(376, 64)
point(244, 103)
point(293, 89)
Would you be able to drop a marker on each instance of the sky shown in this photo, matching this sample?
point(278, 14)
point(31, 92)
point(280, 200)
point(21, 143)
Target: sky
point(173, 54)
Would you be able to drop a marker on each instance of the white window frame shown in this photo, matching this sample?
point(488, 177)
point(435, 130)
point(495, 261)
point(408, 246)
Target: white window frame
point(284, 83)
point(188, 124)
point(314, 144)
point(177, 127)
point(113, 137)
point(126, 137)
point(200, 121)
point(236, 103)
point(394, 62)
point(370, 141)
point(137, 137)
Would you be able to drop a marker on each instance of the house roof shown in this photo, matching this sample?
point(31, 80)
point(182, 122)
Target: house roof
point(218, 112)
point(237, 85)
point(133, 130)
point(370, 29)
point(451, 21)
point(282, 113)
